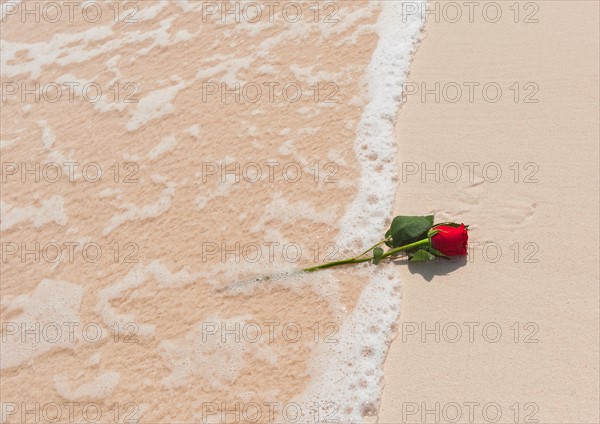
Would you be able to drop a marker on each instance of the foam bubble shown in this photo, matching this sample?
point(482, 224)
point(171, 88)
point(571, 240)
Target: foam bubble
point(51, 210)
point(151, 210)
point(51, 304)
point(165, 145)
point(100, 386)
point(155, 105)
point(135, 278)
point(48, 137)
point(197, 355)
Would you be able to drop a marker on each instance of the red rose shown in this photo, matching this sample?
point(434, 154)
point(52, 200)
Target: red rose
point(451, 241)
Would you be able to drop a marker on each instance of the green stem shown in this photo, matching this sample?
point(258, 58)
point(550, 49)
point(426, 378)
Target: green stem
point(424, 242)
point(355, 260)
point(371, 248)
point(336, 263)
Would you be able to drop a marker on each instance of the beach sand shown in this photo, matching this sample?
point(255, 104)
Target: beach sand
point(223, 149)
point(135, 295)
point(533, 262)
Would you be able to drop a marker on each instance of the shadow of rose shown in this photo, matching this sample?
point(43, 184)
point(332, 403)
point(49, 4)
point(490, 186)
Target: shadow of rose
point(437, 267)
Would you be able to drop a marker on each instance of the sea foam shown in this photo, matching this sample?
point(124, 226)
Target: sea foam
point(349, 374)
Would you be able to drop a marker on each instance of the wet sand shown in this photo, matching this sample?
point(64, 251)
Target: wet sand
point(196, 151)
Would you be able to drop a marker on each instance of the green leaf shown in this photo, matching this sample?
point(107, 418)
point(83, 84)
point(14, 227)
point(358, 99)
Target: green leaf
point(435, 251)
point(377, 254)
point(408, 229)
point(421, 256)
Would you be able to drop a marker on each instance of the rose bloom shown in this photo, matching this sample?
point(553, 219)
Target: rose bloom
point(451, 241)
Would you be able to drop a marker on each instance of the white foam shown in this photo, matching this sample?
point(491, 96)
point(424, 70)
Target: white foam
point(100, 386)
point(135, 278)
point(287, 148)
point(108, 192)
point(189, 5)
point(310, 75)
point(48, 137)
point(155, 104)
point(134, 212)
point(150, 12)
point(52, 304)
point(78, 47)
point(211, 358)
point(222, 190)
point(51, 210)
point(348, 19)
point(349, 373)
point(230, 65)
point(281, 208)
point(165, 145)
point(194, 130)
point(4, 144)
point(95, 358)
point(389, 66)
point(62, 49)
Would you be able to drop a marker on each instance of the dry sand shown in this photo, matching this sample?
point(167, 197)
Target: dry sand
point(549, 369)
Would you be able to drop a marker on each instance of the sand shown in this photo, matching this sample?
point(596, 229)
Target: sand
point(545, 281)
point(132, 292)
point(161, 326)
